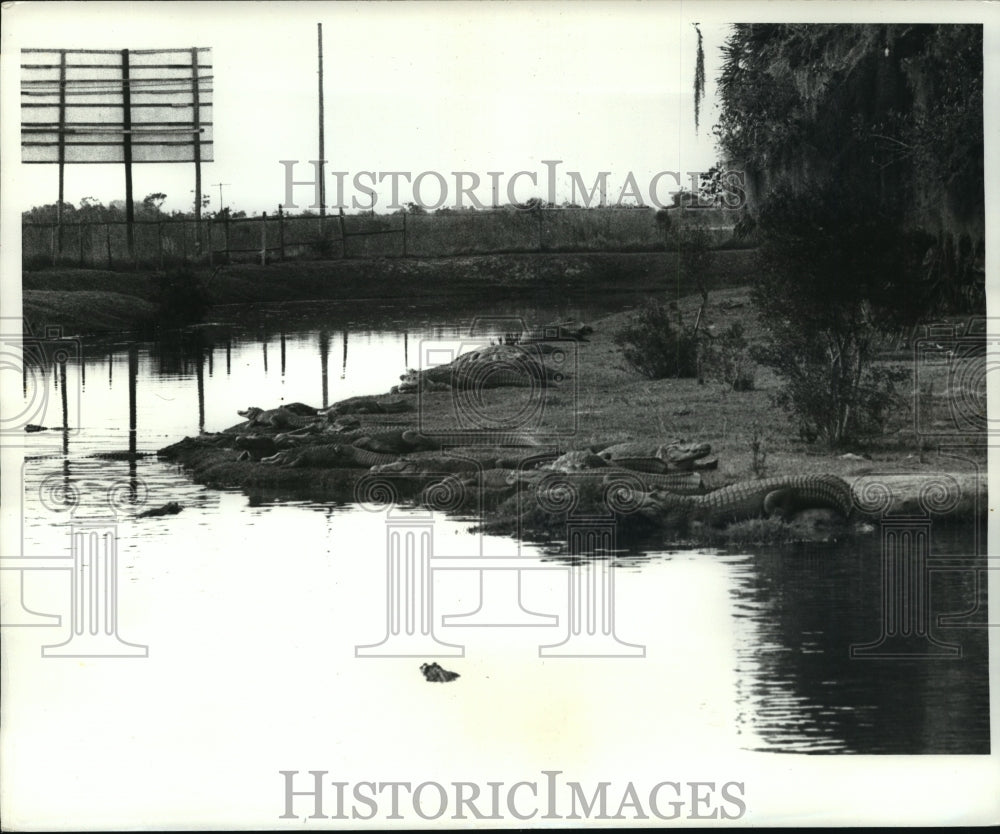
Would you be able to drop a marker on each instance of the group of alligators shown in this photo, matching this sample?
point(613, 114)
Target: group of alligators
point(663, 483)
point(673, 483)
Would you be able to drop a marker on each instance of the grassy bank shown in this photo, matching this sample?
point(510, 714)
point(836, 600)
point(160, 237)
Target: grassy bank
point(603, 400)
point(86, 301)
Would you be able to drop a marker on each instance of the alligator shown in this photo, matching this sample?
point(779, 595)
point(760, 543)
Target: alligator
point(597, 467)
point(674, 482)
point(782, 497)
point(366, 405)
point(170, 508)
point(413, 384)
point(575, 462)
point(255, 446)
point(493, 479)
point(437, 465)
point(329, 455)
point(434, 673)
point(397, 441)
point(479, 376)
point(677, 455)
point(495, 366)
point(291, 416)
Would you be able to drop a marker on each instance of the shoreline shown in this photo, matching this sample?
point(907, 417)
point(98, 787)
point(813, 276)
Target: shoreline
point(605, 403)
point(85, 301)
point(605, 400)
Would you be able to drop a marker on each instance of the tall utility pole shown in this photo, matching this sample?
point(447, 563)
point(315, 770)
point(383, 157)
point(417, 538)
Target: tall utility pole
point(127, 152)
point(322, 158)
point(196, 119)
point(220, 184)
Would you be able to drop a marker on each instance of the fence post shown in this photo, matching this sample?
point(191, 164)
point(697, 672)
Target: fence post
point(184, 242)
point(159, 244)
point(80, 240)
point(541, 245)
point(281, 230)
point(404, 233)
point(107, 237)
point(263, 238)
point(211, 247)
point(52, 244)
point(343, 236)
point(225, 229)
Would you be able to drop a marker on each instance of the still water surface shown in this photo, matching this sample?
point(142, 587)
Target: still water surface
point(739, 650)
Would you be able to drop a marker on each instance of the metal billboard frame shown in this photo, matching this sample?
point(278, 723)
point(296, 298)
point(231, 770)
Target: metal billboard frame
point(139, 85)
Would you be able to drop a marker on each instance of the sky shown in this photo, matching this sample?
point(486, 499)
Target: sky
point(409, 87)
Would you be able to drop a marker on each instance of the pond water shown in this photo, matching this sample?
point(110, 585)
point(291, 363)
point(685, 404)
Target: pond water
point(278, 615)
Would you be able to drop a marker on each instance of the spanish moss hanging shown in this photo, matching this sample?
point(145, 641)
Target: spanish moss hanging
point(699, 78)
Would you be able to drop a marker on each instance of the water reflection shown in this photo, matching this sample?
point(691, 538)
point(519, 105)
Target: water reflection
point(324, 360)
point(801, 613)
point(763, 638)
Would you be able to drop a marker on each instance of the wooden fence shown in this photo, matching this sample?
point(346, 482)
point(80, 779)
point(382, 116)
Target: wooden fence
point(159, 243)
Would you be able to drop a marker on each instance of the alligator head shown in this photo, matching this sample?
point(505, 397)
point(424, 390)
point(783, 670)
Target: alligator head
point(680, 452)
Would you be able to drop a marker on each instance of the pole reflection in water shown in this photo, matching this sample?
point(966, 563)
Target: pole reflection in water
point(199, 370)
point(406, 349)
point(324, 360)
point(65, 407)
point(133, 382)
point(343, 369)
point(65, 432)
point(229, 356)
point(282, 354)
point(263, 341)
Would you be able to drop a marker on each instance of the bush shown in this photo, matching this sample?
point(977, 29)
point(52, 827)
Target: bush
point(758, 452)
point(729, 359)
point(656, 348)
point(830, 282)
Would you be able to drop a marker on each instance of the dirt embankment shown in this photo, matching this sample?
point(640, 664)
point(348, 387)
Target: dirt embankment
point(85, 301)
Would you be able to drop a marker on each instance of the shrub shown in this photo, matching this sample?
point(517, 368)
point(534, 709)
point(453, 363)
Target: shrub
point(729, 359)
point(828, 286)
point(655, 347)
point(758, 452)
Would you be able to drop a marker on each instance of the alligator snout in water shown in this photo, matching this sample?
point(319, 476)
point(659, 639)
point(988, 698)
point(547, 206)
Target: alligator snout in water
point(435, 674)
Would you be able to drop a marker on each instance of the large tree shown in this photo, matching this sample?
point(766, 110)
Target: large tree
point(891, 114)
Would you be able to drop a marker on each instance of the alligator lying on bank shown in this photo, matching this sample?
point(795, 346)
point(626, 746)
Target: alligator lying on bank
point(283, 417)
point(781, 497)
point(329, 455)
point(610, 476)
point(675, 455)
point(494, 366)
point(367, 405)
